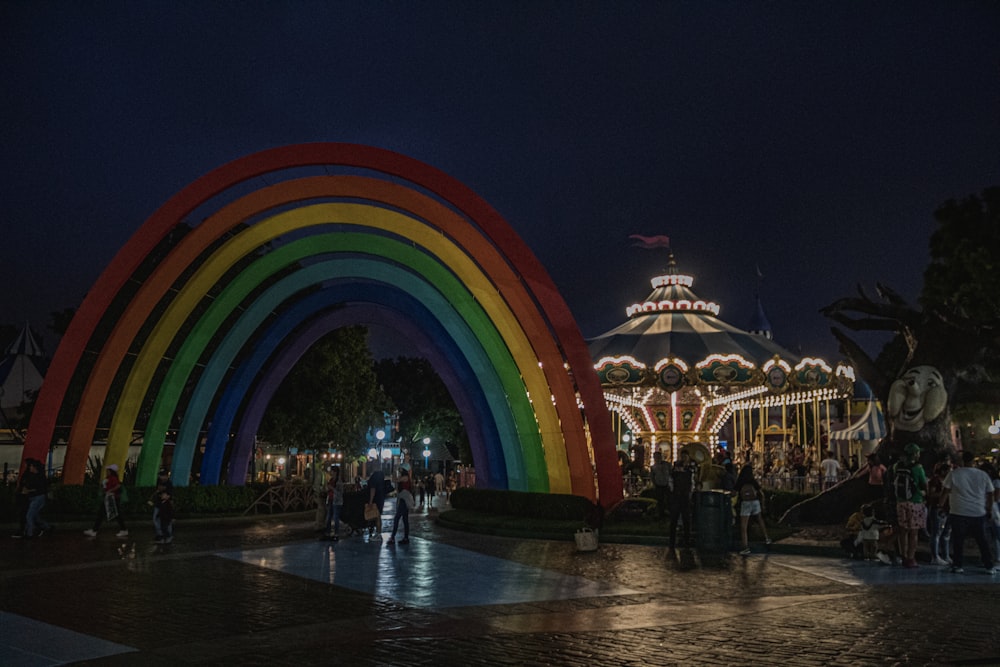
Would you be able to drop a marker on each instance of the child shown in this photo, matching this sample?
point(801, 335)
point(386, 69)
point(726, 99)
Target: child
point(166, 517)
point(852, 541)
point(163, 486)
point(869, 532)
point(111, 499)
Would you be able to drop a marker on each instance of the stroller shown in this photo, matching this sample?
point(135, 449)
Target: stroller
point(353, 514)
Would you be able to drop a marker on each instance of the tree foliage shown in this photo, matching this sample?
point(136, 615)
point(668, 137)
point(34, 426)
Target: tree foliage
point(330, 398)
point(956, 326)
point(422, 403)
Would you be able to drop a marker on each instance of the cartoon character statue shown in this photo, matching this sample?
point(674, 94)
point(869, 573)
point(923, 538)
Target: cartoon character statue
point(916, 399)
point(917, 408)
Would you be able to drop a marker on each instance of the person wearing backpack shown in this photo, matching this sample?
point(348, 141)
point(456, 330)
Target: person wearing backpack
point(909, 482)
point(751, 505)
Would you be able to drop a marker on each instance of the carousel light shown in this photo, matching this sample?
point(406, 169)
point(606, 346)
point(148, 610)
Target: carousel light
point(672, 279)
point(668, 305)
point(615, 361)
point(670, 360)
point(846, 371)
point(724, 359)
point(813, 361)
point(780, 363)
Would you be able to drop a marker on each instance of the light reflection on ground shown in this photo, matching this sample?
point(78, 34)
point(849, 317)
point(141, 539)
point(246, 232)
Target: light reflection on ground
point(423, 573)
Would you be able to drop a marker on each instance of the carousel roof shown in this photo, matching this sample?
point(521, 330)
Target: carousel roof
point(674, 322)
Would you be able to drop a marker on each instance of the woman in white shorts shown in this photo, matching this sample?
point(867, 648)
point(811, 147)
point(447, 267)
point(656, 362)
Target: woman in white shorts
point(751, 505)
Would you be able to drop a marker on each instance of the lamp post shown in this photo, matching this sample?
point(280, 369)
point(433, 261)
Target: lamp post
point(427, 454)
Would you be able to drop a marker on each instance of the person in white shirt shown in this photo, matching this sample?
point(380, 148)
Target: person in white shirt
point(831, 470)
point(968, 493)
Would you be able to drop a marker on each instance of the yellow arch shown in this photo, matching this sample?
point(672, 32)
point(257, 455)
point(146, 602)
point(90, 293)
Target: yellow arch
point(208, 274)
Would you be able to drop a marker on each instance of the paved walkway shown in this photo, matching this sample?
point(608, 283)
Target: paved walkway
point(270, 592)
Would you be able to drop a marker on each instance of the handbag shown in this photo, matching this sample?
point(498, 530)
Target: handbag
point(371, 512)
point(110, 506)
point(586, 539)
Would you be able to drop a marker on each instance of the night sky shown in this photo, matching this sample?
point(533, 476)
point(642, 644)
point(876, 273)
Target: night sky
point(812, 139)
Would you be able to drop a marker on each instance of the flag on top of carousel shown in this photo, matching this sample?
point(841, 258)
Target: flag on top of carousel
point(649, 242)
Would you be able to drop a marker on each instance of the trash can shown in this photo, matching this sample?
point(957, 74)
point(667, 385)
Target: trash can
point(713, 520)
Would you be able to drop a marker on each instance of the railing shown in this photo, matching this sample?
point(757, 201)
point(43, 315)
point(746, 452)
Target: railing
point(811, 482)
point(784, 481)
point(284, 498)
point(634, 484)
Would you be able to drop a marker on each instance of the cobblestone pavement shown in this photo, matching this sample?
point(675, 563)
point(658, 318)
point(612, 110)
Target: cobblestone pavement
point(108, 601)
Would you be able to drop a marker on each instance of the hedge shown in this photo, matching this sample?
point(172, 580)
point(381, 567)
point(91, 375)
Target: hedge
point(555, 506)
point(85, 500)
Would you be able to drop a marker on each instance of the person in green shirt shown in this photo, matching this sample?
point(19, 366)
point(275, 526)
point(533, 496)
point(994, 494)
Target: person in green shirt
point(909, 485)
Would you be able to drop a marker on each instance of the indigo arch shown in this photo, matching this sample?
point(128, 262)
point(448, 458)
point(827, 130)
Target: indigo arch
point(376, 238)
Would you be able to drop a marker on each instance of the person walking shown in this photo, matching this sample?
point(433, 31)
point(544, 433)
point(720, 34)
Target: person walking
point(684, 475)
point(164, 532)
point(36, 489)
point(334, 503)
point(111, 494)
point(662, 480)
point(751, 497)
point(165, 514)
point(404, 502)
point(376, 497)
point(968, 492)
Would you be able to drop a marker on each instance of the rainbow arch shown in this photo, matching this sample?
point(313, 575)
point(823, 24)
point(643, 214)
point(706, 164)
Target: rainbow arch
point(401, 243)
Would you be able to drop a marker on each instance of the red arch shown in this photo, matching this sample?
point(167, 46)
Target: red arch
point(99, 298)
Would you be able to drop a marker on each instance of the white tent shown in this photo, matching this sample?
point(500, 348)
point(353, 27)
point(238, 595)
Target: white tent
point(21, 371)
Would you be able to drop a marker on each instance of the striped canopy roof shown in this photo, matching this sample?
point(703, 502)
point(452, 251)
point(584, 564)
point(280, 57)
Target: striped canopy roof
point(870, 426)
point(674, 322)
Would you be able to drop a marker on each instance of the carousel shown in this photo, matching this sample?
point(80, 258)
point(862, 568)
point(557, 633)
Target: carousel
point(676, 376)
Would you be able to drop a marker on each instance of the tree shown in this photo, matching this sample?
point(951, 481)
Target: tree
point(423, 404)
point(330, 398)
point(955, 328)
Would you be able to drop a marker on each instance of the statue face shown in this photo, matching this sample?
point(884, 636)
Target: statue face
point(916, 398)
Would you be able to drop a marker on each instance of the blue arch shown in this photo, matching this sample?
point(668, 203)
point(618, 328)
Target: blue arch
point(352, 269)
point(288, 335)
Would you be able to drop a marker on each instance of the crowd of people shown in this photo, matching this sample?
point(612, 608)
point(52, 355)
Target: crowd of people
point(411, 492)
point(676, 482)
point(958, 499)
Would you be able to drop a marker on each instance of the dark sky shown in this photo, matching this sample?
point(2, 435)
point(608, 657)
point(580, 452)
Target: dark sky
point(812, 138)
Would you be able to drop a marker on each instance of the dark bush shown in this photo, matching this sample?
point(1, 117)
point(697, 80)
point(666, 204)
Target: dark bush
point(778, 502)
point(555, 506)
point(85, 500)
